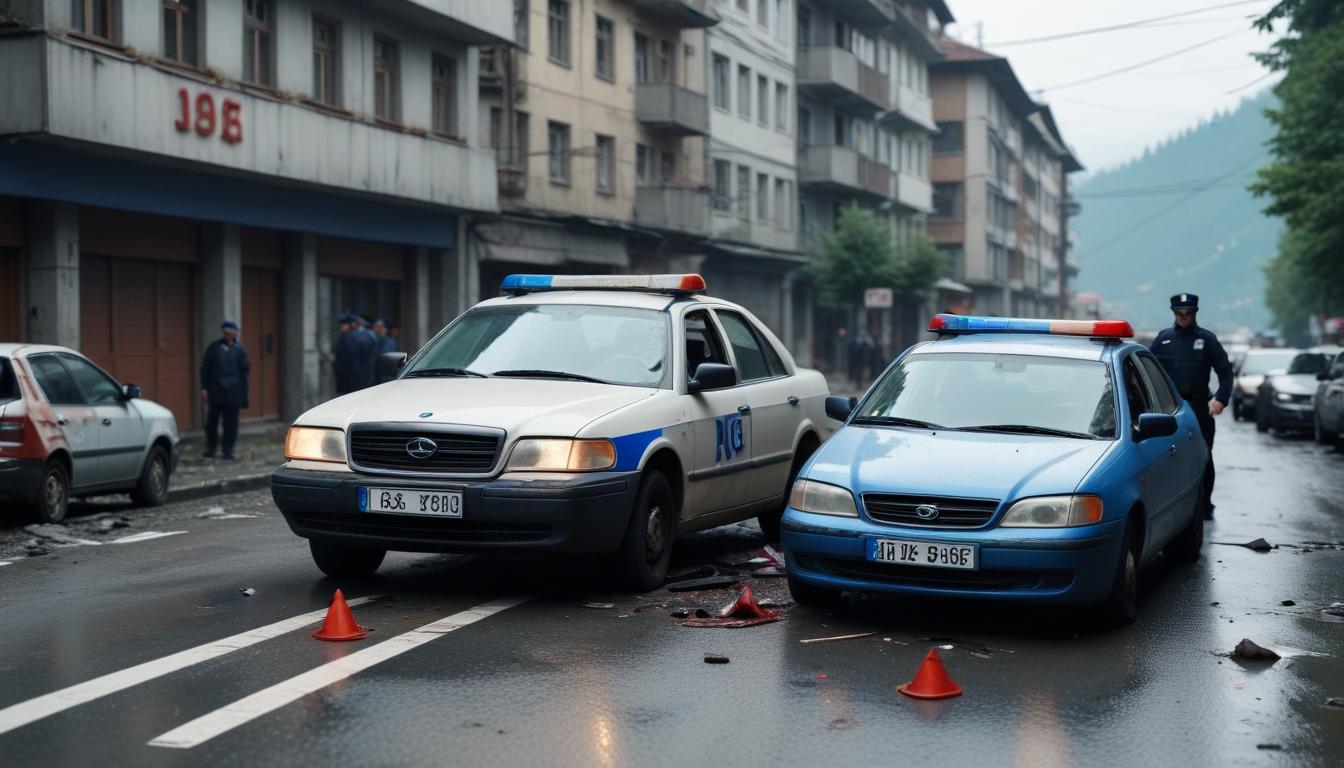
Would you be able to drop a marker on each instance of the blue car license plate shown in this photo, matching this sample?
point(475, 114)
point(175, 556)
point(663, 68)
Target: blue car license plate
point(931, 554)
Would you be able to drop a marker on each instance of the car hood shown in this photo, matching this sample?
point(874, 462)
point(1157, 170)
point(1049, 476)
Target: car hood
point(950, 463)
point(1295, 383)
point(535, 407)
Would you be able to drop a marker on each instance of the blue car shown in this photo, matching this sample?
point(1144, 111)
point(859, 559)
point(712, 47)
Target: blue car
point(1027, 460)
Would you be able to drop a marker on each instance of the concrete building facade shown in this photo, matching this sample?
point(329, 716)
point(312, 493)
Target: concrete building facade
point(166, 165)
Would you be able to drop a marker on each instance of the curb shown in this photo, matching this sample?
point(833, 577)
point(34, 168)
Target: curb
point(208, 488)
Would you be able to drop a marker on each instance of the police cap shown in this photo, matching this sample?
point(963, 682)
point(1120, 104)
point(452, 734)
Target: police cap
point(1185, 301)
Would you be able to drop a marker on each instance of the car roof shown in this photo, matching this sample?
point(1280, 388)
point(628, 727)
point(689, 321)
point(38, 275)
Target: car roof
point(1258, 351)
point(606, 298)
point(10, 348)
point(1043, 344)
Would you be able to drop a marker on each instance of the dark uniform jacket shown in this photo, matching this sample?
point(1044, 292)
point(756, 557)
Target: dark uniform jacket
point(224, 373)
point(1189, 354)
point(355, 353)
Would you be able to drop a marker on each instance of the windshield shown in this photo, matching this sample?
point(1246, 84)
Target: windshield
point(1260, 363)
point(976, 390)
point(615, 345)
point(1309, 362)
point(9, 386)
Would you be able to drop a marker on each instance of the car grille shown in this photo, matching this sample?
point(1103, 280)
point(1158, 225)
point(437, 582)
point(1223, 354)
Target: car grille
point(457, 451)
point(937, 578)
point(899, 509)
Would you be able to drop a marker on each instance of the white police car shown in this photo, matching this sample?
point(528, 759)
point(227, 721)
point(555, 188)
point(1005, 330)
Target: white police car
point(579, 414)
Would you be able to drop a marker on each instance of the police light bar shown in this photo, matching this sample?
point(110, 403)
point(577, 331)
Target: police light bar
point(964, 324)
point(516, 284)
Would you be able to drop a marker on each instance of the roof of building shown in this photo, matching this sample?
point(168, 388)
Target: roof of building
point(941, 10)
point(960, 56)
point(1071, 162)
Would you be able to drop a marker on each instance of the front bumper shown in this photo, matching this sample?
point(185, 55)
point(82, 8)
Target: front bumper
point(1294, 415)
point(1061, 565)
point(19, 479)
point(575, 515)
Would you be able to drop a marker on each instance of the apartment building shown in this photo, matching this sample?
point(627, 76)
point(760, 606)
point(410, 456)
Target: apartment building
point(168, 164)
point(1000, 178)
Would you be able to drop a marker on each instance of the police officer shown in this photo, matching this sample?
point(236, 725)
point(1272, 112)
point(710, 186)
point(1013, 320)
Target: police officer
point(1188, 352)
point(224, 373)
point(355, 351)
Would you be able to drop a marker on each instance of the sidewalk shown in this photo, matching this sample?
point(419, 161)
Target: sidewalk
point(260, 449)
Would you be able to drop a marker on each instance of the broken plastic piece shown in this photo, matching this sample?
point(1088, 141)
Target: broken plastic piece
point(248, 591)
point(742, 612)
point(837, 637)
point(715, 658)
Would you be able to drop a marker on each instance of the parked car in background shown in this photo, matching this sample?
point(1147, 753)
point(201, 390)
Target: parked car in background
point(67, 428)
point(1284, 400)
point(1251, 373)
point(1328, 406)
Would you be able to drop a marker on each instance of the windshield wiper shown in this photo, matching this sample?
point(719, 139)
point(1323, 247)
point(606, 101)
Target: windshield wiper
point(428, 372)
point(540, 374)
point(1028, 429)
point(896, 421)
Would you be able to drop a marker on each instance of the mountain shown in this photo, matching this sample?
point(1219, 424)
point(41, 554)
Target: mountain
point(1180, 219)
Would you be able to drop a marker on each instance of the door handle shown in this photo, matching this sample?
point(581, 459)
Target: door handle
point(793, 399)
point(61, 420)
point(744, 409)
point(107, 422)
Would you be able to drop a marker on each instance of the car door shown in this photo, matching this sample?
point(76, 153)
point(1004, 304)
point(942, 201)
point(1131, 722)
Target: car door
point(775, 412)
point(1331, 396)
point(1160, 476)
point(121, 444)
point(721, 424)
point(1189, 443)
point(76, 418)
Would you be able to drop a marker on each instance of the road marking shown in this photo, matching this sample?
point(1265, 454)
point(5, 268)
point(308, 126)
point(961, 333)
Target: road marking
point(25, 712)
point(146, 536)
point(5, 562)
point(225, 719)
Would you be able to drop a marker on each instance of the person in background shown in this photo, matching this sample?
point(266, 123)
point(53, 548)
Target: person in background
point(354, 353)
point(386, 342)
point(224, 387)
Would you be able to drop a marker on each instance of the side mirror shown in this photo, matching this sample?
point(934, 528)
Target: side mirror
point(389, 365)
point(130, 392)
point(1153, 425)
point(712, 376)
point(839, 408)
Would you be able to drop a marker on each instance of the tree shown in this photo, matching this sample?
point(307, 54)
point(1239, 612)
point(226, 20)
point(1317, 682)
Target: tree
point(859, 253)
point(1291, 294)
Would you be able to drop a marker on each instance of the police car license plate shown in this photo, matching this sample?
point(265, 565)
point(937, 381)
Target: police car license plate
point(401, 501)
point(930, 554)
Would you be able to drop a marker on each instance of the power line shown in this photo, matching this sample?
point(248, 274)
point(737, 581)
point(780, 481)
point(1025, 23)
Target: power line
point(1260, 79)
point(1115, 27)
point(1163, 57)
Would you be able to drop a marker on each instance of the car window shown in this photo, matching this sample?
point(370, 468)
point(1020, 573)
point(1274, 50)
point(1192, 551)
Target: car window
point(1309, 362)
point(1136, 393)
point(1166, 401)
point(55, 381)
point(752, 363)
point(1260, 362)
point(703, 344)
point(9, 383)
point(1337, 370)
point(98, 388)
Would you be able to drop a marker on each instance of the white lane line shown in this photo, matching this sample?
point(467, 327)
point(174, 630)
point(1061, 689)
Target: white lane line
point(225, 719)
point(25, 712)
point(146, 536)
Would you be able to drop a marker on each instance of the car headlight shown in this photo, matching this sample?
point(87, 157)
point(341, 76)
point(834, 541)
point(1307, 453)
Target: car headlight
point(822, 498)
point(315, 444)
point(1283, 397)
point(1053, 512)
point(561, 455)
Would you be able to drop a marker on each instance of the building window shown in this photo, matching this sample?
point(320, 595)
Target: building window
point(557, 32)
point(325, 46)
point(443, 90)
point(779, 204)
point(666, 71)
point(763, 99)
point(744, 91)
point(721, 98)
point(781, 107)
point(510, 151)
point(604, 178)
point(605, 56)
point(257, 42)
point(723, 196)
point(744, 193)
point(947, 201)
point(950, 139)
point(762, 197)
point(804, 126)
point(744, 6)
point(384, 79)
point(521, 13)
point(804, 28)
point(667, 167)
point(641, 58)
point(557, 137)
point(643, 163)
point(92, 17)
point(179, 31)
point(763, 12)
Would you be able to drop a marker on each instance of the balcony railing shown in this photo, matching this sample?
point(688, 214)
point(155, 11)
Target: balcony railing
point(844, 169)
point(680, 209)
point(912, 17)
point(512, 181)
point(914, 192)
point(671, 108)
point(865, 13)
point(912, 107)
point(692, 14)
point(839, 73)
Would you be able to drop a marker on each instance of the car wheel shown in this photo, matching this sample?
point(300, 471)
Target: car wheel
point(1261, 420)
point(1236, 409)
point(770, 521)
point(1324, 436)
point(647, 547)
point(53, 494)
point(345, 562)
point(1121, 606)
point(810, 595)
point(1187, 544)
point(152, 490)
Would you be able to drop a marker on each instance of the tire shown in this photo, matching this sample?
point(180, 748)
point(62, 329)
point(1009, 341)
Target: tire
point(642, 558)
point(345, 562)
point(1187, 544)
point(1261, 420)
point(813, 596)
point(152, 489)
point(1323, 436)
point(1237, 414)
point(1120, 607)
point(53, 494)
point(770, 521)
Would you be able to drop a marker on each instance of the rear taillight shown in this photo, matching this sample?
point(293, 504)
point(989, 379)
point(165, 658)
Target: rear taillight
point(12, 431)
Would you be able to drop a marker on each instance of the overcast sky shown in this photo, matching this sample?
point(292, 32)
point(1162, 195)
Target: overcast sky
point(1112, 119)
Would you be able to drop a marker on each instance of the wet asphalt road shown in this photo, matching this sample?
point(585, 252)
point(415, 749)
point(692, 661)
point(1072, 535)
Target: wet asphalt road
point(552, 682)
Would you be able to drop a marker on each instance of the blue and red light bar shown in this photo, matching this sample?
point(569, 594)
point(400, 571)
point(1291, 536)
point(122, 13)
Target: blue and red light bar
point(651, 283)
point(964, 324)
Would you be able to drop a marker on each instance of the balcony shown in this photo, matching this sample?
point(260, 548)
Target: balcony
point(683, 14)
point(865, 13)
point(912, 108)
point(470, 22)
point(679, 209)
point(912, 24)
point(914, 192)
point(838, 74)
point(669, 107)
point(512, 181)
point(843, 170)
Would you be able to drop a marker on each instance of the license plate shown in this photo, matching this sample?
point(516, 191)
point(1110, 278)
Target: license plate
point(930, 554)
point(401, 501)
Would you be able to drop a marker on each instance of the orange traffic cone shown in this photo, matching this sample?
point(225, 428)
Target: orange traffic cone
point(745, 607)
point(931, 681)
point(340, 623)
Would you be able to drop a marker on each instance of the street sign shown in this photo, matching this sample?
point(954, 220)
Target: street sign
point(877, 298)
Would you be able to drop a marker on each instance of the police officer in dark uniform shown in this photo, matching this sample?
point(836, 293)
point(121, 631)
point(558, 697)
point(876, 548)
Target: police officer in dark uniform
point(1188, 352)
point(355, 351)
point(224, 373)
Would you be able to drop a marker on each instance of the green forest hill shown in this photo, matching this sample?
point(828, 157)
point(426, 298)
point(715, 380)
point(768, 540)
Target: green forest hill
point(1180, 218)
